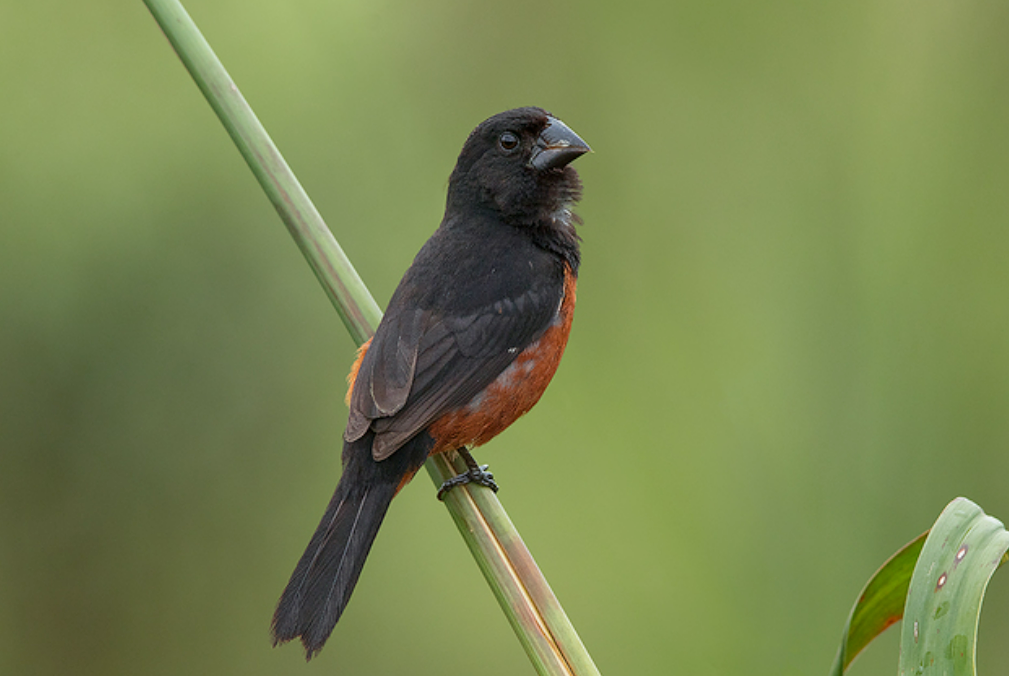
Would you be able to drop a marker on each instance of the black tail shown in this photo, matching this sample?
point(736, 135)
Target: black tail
point(324, 579)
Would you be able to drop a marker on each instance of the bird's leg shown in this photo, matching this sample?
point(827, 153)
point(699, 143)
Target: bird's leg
point(476, 474)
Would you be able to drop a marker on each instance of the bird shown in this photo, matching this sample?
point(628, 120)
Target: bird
point(469, 341)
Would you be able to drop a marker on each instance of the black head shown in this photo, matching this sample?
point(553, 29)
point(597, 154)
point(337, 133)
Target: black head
point(516, 164)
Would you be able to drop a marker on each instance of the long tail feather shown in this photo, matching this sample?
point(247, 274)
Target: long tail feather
point(322, 582)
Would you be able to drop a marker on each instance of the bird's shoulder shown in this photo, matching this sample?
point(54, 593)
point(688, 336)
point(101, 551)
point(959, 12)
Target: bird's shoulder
point(472, 262)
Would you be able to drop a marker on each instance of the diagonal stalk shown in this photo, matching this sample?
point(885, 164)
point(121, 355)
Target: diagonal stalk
point(537, 617)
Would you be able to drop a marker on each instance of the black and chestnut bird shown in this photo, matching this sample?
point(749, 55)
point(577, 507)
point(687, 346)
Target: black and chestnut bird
point(469, 342)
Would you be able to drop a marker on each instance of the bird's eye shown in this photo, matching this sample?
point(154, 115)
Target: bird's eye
point(508, 141)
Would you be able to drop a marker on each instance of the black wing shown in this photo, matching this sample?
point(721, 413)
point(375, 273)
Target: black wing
point(422, 364)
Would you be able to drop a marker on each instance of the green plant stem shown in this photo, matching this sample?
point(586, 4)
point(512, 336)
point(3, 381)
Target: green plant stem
point(532, 609)
point(358, 310)
point(512, 573)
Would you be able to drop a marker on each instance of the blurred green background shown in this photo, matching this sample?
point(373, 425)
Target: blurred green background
point(790, 350)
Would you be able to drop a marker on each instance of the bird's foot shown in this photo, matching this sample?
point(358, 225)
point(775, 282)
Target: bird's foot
point(476, 474)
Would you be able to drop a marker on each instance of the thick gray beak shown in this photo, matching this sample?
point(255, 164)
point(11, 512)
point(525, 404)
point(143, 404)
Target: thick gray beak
point(556, 146)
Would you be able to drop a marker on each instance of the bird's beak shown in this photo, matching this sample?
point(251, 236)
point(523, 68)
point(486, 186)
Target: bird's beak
point(556, 146)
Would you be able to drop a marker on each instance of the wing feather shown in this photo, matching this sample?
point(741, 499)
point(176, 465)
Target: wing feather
point(422, 365)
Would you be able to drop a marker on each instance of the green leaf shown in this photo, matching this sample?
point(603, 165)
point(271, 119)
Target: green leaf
point(961, 553)
point(880, 604)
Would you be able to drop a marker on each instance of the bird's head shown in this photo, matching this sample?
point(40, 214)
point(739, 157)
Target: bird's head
point(517, 164)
